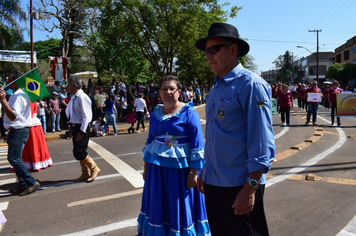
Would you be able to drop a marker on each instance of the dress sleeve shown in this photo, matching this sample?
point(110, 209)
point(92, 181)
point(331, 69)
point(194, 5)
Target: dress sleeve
point(196, 159)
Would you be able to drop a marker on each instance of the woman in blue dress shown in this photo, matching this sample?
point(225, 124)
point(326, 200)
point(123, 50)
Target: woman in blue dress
point(174, 156)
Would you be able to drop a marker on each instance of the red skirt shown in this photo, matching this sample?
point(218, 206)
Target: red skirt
point(35, 154)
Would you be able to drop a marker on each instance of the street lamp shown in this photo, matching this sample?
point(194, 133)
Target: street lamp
point(305, 48)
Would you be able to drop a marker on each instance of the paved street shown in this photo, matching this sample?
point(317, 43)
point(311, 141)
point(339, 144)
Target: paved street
point(323, 205)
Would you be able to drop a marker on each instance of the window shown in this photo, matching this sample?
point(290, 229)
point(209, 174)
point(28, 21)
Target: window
point(338, 58)
point(346, 55)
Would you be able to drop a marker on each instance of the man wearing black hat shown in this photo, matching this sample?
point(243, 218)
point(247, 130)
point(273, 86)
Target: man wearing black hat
point(239, 137)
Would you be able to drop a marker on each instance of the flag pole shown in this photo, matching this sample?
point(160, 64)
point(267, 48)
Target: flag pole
point(19, 78)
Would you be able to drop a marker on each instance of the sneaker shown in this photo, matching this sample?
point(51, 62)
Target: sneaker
point(307, 123)
point(144, 129)
point(30, 190)
point(137, 131)
point(116, 134)
point(338, 124)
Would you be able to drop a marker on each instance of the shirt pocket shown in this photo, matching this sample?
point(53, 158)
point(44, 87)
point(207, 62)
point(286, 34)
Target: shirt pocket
point(226, 113)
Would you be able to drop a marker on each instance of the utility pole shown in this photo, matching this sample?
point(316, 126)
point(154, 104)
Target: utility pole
point(317, 53)
point(31, 34)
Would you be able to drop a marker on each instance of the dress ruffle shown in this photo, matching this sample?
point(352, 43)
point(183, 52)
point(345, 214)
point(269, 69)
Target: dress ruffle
point(176, 156)
point(168, 207)
point(165, 229)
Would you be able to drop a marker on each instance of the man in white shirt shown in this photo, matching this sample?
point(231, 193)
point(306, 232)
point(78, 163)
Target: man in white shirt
point(17, 119)
point(80, 115)
point(140, 108)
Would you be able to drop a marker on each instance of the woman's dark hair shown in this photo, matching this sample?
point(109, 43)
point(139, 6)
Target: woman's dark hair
point(130, 110)
point(170, 78)
point(110, 98)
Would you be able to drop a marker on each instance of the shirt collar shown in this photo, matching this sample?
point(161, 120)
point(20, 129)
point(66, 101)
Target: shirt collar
point(79, 92)
point(229, 77)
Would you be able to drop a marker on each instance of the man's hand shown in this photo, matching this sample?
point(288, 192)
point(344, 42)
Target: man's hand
point(2, 94)
point(191, 181)
point(79, 137)
point(200, 183)
point(245, 200)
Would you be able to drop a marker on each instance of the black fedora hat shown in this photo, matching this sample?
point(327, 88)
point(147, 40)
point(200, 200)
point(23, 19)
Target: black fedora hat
point(223, 30)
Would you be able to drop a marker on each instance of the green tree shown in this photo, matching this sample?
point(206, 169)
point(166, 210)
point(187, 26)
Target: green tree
point(67, 16)
point(11, 15)
point(162, 32)
point(44, 49)
point(284, 63)
point(334, 71)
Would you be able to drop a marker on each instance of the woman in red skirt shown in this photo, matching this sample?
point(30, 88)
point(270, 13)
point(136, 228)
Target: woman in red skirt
point(35, 154)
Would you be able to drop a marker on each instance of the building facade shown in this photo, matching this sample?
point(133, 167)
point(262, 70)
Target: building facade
point(346, 52)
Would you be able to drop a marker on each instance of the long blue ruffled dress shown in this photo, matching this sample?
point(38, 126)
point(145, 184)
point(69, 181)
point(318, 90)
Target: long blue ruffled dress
point(175, 143)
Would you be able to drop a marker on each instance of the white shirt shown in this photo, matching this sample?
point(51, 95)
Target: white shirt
point(140, 104)
point(21, 108)
point(123, 103)
point(79, 110)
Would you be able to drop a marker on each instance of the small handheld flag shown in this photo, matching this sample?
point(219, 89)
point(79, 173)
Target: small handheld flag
point(32, 85)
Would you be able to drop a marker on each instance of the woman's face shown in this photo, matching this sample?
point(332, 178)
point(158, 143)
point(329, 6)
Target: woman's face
point(169, 91)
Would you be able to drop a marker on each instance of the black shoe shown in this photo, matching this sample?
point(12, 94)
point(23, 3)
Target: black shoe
point(31, 189)
point(17, 190)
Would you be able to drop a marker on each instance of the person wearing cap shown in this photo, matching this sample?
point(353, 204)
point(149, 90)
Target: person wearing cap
point(312, 105)
point(239, 146)
point(17, 119)
point(331, 97)
point(54, 111)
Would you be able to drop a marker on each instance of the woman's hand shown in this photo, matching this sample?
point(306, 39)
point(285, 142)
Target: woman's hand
point(192, 178)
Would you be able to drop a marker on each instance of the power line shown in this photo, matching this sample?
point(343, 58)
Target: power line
point(280, 41)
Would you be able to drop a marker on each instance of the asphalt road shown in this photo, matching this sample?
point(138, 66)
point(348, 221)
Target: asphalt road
point(323, 205)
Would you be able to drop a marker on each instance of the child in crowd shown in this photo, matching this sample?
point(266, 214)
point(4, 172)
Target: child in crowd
point(97, 127)
point(131, 119)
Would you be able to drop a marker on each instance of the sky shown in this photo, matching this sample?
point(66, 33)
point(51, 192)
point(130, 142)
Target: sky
point(273, 27)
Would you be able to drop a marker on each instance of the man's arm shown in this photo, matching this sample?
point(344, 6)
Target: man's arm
point(245, 199)
point(7, 109)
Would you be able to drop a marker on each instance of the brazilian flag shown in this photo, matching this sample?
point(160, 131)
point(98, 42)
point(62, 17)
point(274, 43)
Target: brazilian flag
point(32, 85)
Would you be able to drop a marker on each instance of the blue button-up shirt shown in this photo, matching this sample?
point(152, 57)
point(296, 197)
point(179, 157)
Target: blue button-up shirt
point(239, 134)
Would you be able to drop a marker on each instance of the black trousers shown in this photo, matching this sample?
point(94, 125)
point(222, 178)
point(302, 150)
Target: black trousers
point(80, 147)
point(223, 221)
point(285, 114)
point(333, 113)
point(140, 119)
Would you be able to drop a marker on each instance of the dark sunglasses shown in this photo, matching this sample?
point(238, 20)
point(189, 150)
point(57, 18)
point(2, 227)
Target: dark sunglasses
point(216, 48)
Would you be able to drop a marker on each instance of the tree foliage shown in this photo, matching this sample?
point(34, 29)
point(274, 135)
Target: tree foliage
point(67, 16)
point(343, 72)
point(161, 32)
point(11, 15)
point(45, 48)
point(284, 65)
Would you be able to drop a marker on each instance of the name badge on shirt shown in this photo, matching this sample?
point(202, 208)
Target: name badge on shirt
point(221, 113)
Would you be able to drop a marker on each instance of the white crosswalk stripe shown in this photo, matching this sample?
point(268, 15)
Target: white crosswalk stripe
point(5, 178)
